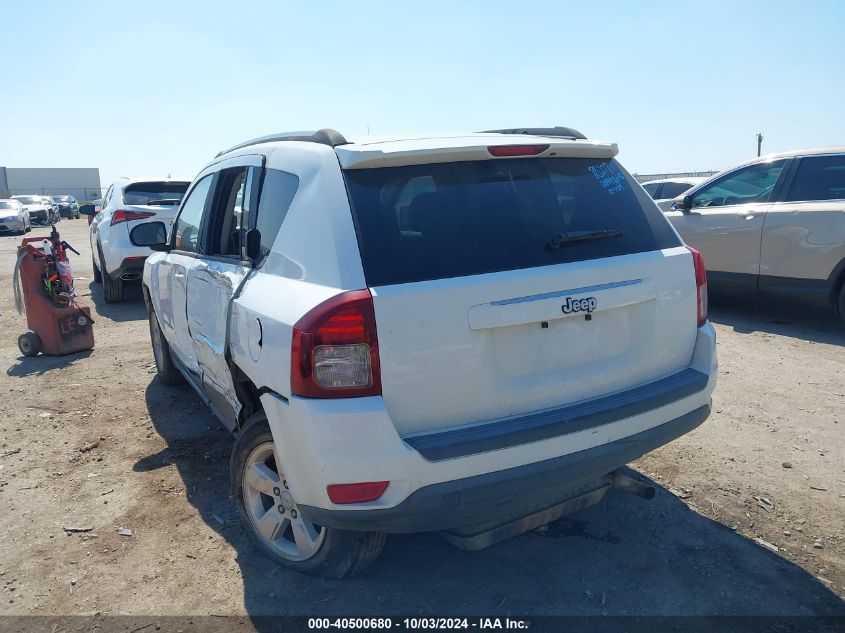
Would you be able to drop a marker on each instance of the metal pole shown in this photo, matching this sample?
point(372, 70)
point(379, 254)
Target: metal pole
point(759, 142)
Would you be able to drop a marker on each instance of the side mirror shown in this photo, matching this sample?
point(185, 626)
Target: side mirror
point(150, 234)
point(253, 244)
point(87, 209)
point(686, 203)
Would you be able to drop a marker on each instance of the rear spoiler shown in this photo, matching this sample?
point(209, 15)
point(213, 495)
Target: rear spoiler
point(470, 148)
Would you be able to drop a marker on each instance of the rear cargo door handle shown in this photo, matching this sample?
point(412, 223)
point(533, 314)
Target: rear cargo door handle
point(179, 275)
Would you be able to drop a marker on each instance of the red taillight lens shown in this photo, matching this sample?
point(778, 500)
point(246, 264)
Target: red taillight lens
point(700, 284)
point(356, 493)
point(124, 216)
point(334, 352)
point(516, 150)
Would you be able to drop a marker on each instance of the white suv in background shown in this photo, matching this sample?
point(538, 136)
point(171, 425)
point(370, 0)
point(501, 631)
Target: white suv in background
point(128, 203)
point(773, 226)
point(13, 217)
point(466, 334)
point(665, 190)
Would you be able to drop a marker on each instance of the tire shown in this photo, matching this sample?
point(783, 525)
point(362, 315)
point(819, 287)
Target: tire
point(29, 344)
point(166, 368)
point(98, 276)
point(332, 554)
point(840, 304)
point(112, 289)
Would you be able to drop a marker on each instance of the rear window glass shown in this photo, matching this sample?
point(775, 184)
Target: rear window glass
point(442, 220)
point(819, 178)
point(5, 204)
point(158, 192)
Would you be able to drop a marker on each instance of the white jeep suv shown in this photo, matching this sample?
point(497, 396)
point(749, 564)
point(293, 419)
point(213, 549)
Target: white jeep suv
point(466, 334)
point(128, 203)
point(773, 226)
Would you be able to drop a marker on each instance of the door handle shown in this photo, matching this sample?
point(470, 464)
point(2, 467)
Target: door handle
point(748, 214)
point(179, 275)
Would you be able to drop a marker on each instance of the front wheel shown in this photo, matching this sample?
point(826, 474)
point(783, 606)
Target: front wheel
point(840, 304)
point(166, 368)
point(269, 511)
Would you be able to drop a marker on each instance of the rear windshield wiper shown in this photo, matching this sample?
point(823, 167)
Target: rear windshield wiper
point(580, 236)
point(164, 201)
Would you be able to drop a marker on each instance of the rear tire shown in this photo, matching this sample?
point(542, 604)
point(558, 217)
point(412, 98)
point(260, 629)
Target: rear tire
point(330, 554)
point(98, 276)
point(29, 343)
point(166, 368)
point(112, 289)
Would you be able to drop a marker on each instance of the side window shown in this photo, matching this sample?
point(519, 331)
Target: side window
point(651, 188)
point(277, 193)
point(749, 184)
point(228, 212)
point(674, 189)
point(819, 178)
point(187, 227)
point(107, 197)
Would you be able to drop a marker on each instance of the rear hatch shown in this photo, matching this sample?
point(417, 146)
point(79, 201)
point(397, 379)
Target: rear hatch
point(150, 201)
point(508, 285)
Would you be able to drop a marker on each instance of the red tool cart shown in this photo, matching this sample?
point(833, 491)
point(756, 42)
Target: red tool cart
point(44, 287)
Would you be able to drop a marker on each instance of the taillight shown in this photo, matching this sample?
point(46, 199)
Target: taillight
point(124, 216)
point(516, 150)
point(700, 284)
point(334, 352)
point(356, 493)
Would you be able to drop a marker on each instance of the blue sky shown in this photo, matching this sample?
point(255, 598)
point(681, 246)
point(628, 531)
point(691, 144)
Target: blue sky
point(149, 88)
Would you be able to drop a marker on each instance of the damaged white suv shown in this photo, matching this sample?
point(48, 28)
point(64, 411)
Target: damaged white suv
point(466, 334)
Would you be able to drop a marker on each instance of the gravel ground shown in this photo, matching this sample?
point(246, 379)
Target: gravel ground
point(93, 440)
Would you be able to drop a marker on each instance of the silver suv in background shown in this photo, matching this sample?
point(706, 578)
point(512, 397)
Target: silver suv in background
point(773, 226)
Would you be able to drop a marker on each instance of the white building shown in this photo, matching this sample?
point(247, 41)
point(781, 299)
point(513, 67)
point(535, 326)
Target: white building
point(83, 183)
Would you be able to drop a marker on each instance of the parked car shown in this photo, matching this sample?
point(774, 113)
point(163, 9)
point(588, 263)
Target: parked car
point(68, 206)
point(39, 211)
point(14, 217)
point(464, 334)
point(128, 203)
point(54, 209)
point(665, 190)
point(773, 226)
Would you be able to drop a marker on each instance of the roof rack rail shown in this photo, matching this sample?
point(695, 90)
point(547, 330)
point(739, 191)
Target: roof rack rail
point(563, 132)
point(326, 136)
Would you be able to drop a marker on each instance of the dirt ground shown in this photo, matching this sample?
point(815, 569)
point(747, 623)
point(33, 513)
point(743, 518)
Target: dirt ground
point(93, 440)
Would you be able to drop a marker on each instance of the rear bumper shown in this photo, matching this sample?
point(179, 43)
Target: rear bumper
point(462, 482)
point(485, 501)
point(130, 269)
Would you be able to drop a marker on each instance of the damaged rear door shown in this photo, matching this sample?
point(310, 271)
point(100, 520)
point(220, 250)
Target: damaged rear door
point(216, 278)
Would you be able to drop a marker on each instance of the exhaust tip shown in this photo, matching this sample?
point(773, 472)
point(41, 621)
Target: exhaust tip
point(628, 484)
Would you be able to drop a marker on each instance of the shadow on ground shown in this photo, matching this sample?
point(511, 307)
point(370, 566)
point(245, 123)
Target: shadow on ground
point(41, 364)
point(132, 307)
point(623, 556)
point(746, 315)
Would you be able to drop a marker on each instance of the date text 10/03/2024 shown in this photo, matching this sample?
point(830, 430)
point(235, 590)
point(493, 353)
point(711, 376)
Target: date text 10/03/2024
point(481, 624)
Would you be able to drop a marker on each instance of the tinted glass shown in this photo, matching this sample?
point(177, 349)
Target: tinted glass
point(277, 192)
point(454, 219)
point(61, 199)
point(749, 184)
point(29, 199)
point(187, 228)
point(651, 188)
point(673, 189)
point(819, 178)
point(5, 204)
point(146, 192)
